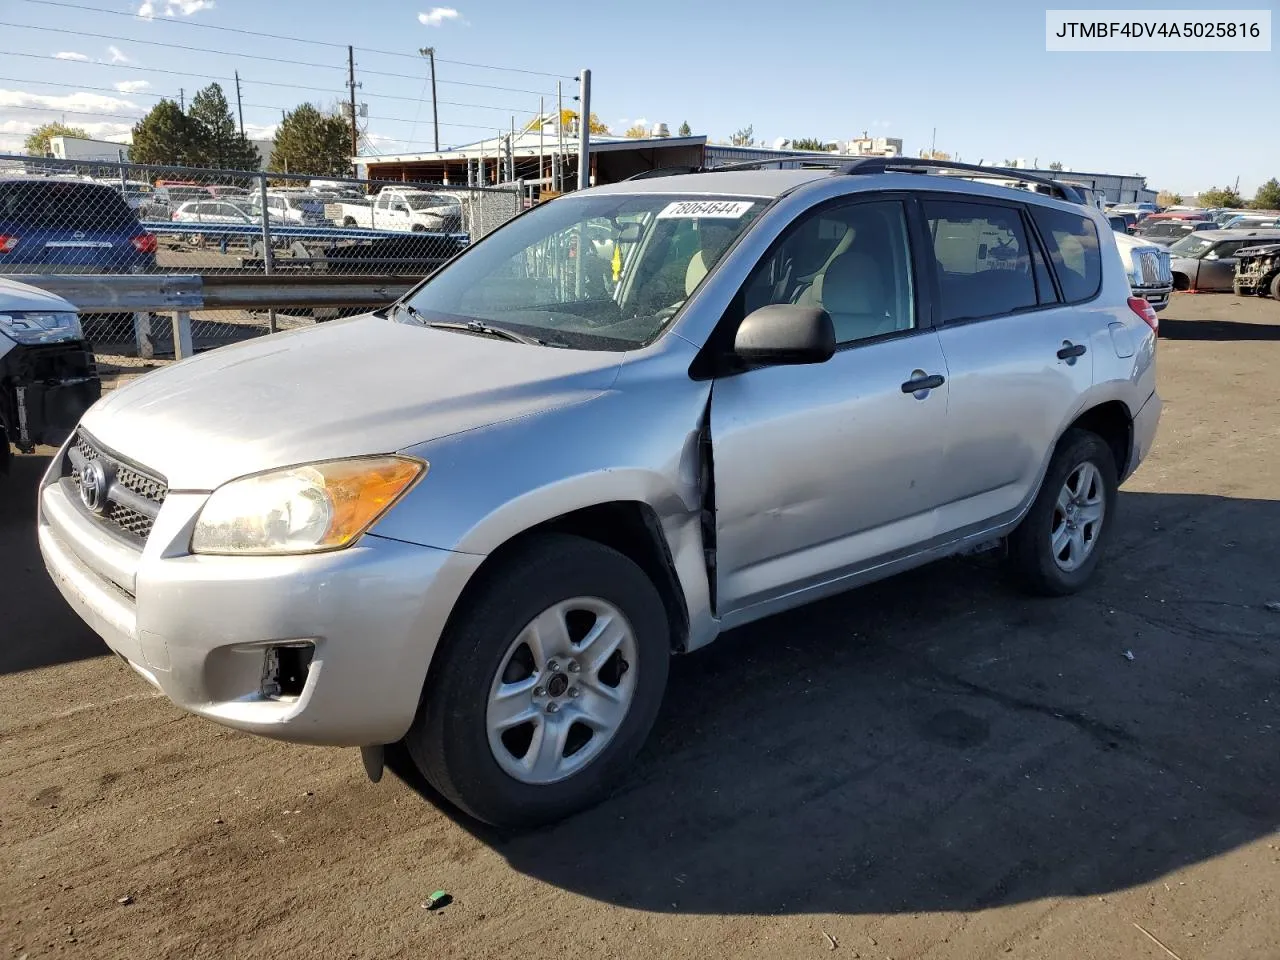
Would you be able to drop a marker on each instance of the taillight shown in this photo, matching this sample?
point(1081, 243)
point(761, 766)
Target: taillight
point(1147, 312)
point(7, 243)
point(144, 243)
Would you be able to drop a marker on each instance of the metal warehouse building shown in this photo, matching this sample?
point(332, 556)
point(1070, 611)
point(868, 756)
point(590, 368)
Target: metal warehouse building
point(542, 163)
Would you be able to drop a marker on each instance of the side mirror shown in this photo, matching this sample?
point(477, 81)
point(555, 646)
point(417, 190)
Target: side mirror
point(629, 232)
point(785, 333)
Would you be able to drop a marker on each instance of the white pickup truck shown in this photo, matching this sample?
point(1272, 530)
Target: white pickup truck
point(397, 208)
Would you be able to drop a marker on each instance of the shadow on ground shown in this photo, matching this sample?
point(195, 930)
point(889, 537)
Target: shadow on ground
point(37, 628)
point(1221, 330)
point(937, 742)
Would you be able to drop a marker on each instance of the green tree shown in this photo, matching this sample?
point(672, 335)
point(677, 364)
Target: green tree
point(1167, 198)
point(37, 144)
point(218, 142)
point(1268, 196)
point(166, 135)
point(746, 137)
point(1226, 197)
point(808, 143)
point(685, 130)
point(310, 142)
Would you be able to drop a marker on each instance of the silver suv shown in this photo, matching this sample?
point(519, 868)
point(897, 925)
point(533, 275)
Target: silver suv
point(481, 521)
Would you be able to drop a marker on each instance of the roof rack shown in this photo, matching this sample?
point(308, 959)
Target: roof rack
point(872, 165)
point(814, 161)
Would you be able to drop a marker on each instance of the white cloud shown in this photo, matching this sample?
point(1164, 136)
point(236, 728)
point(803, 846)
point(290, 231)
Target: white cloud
point(132, 86)
point(438, 16)
point(186, 8)
point(79, 102)
point(117, 56)
point(69, 55)
point(147, 11)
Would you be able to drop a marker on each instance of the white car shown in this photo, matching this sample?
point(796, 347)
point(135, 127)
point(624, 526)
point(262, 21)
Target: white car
point(217, 211)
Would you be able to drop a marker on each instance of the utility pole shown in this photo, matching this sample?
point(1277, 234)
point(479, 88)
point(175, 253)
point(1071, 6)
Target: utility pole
point(933, 144)
point(542, 126)
point(182, 99)
point(557, 167)
point(430, 54)
point(239, 107)
point(584, 132)
point(351, 82)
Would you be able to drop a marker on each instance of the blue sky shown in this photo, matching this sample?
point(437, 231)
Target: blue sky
point(979, 74)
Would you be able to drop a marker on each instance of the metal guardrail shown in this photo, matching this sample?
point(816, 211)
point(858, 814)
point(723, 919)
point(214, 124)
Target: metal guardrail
point(180, 294)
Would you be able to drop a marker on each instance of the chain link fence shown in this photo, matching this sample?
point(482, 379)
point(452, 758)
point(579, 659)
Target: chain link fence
point(79, 217)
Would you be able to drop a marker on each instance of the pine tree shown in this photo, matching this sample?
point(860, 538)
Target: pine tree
point(166, 136)
point(220, 144)
point(685, 129)
point(310, 142)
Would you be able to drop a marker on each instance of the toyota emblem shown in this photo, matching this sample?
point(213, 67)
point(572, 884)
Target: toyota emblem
point(93, 486)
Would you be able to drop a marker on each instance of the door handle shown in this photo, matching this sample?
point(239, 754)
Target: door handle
point(922, 382)
point(1071, 350)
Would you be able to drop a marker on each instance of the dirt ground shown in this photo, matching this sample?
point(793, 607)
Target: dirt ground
point(932, 767)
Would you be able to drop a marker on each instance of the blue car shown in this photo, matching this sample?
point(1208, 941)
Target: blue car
point(48, 225)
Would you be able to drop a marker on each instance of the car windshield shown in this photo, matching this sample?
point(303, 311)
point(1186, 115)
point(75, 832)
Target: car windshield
point(1191, 246)
point(598, 272)
point(426, 201)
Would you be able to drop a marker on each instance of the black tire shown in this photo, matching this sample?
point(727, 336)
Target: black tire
point(449, 741)
point(1030, 557)
point(1275, 287)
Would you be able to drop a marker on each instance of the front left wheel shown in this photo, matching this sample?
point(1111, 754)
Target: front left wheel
point(545, 685)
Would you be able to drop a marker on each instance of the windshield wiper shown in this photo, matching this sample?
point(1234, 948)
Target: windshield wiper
point(482, 329)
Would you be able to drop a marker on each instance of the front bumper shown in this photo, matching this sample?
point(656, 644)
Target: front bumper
point(44, 391)
point(1158, 297)
point(199, 628)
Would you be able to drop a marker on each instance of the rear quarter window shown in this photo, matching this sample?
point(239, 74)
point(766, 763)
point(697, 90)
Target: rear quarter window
point(1072, 243)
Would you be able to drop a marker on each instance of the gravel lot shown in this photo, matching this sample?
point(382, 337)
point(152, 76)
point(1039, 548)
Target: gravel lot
point(931, 767)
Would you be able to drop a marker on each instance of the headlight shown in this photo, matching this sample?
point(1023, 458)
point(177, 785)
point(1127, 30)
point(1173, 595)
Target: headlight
point(306, 509)
point(40, 327)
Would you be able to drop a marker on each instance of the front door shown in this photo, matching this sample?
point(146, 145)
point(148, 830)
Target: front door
point(821, 469)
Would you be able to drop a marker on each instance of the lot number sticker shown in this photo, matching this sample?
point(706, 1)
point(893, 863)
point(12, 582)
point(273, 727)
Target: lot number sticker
point(722, 209)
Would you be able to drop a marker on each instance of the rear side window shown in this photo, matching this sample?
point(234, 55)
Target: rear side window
point(983, 258)
point(64, 206)
point(1072, 242)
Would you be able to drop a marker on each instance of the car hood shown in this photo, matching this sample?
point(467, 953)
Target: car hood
point(17, 297)
point(345, 388)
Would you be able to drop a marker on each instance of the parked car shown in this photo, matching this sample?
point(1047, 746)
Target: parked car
point(165, 201)
point(217, 211)
point(1166, 232)
point(1251, 222)
point(1149, 270)
point(69, 226)
point(1258, 271)
point(1205, 260)
point(48, 377)
point(409, 210)
point(1122, 223)
point(293, 208)
point(543, 474)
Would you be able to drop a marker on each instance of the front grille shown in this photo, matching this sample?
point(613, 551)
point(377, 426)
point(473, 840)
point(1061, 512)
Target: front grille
point(1150, 265)
point(132, 497)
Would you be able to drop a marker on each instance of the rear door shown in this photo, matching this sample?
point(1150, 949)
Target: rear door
point(823, 468)
point(1016, 345)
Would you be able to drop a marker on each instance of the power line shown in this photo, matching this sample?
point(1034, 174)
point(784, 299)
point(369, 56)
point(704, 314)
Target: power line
point(254, 56)
point(161, 96)
point(276, 36)
point(263, 83)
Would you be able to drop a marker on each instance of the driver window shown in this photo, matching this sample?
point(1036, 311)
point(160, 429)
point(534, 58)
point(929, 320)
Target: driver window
point(852, 261)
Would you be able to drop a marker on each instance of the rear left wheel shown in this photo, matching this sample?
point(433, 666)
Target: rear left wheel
point(545, 685)
point(1056, 548)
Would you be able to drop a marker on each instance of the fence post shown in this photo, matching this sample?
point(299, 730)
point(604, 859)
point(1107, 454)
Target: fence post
point(142, 335)
point(267, 253)
point(182, 335)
